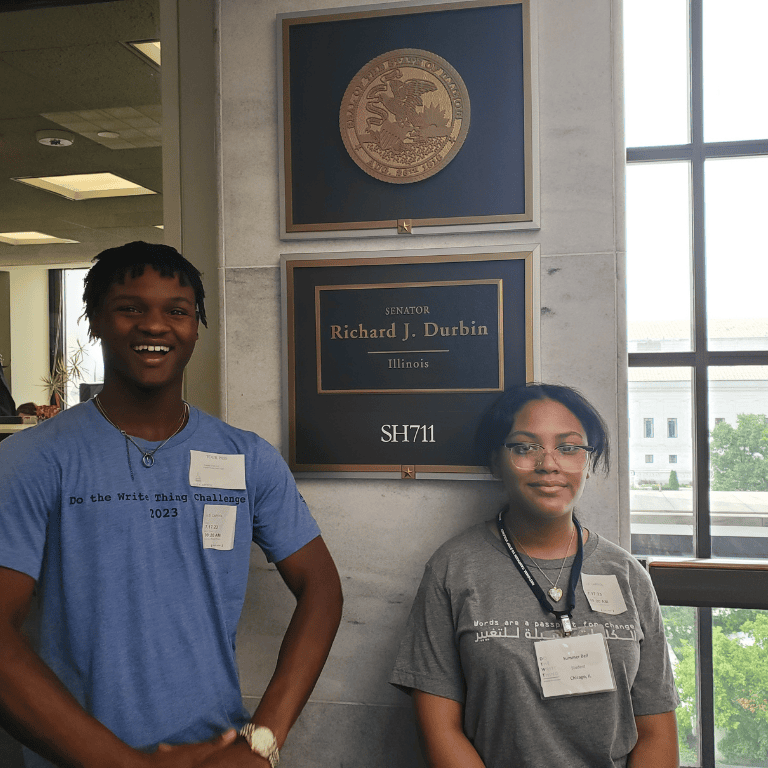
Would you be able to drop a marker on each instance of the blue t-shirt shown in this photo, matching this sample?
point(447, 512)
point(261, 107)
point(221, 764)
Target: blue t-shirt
point(137, 618)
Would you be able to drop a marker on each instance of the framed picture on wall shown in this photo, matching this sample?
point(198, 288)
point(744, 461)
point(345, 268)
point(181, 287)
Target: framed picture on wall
point(408, 119)
point(390, 361)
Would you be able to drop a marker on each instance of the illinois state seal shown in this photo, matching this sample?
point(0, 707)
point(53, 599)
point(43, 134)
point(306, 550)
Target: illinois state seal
point(404, 115)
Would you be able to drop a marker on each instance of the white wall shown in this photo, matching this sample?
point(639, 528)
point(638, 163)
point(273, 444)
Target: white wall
point(29, 353)
point(381, 532)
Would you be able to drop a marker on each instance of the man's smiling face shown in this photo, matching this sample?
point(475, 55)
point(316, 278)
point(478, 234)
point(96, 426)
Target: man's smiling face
point(148, 328)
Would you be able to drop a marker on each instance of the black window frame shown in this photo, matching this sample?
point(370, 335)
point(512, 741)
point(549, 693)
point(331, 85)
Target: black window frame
point(679, 583)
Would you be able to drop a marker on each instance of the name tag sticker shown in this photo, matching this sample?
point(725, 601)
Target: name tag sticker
point(573, 666)
point(603, 593)
point(217, 470)
point(219, 526)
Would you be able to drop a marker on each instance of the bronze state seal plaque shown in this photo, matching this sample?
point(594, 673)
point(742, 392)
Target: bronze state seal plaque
point(404, 116)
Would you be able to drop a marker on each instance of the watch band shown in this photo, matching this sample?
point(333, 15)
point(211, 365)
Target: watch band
point(261, 741)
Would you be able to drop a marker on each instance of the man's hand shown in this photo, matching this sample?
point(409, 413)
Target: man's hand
point(192, 755)
point(236, 755)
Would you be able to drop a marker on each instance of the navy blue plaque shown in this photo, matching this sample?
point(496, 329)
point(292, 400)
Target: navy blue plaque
point(423, 337)
point(491, 178)
point(393, 360)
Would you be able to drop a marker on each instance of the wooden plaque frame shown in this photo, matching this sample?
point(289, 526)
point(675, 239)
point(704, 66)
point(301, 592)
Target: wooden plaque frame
point(389, 361)
point(493, 181)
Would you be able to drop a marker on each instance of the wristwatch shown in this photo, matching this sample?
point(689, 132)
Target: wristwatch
point(262, 741)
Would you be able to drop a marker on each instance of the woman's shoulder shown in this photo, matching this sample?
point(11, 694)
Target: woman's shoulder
point(470, 544)
point(615, 558)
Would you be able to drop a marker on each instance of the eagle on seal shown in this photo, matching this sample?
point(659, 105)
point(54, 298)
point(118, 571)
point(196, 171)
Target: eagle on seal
point(406, 97)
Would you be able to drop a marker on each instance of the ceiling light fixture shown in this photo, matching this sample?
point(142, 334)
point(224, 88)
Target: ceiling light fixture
point(31, 238)
point(55, 138)
point(148, 48)
point(86, 186)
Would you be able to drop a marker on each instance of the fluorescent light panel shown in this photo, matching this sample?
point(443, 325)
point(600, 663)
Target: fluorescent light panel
point(31, 238)
point(150, 48)
point(85, 186)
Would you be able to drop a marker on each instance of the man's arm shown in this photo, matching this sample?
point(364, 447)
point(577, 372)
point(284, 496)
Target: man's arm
point(656, 742)
point(441, 732)
point(38, 710)
point(311, 576)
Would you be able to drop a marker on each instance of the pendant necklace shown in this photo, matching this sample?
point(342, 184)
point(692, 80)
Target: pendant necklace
point(554, 592)
point(147, 457)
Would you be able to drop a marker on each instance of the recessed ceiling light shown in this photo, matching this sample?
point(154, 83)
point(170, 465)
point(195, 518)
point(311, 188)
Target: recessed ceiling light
point(84, 186)
point(150, 49)
point(55, 138)
point(159, 226)
point(31, 238)
point(108, 135)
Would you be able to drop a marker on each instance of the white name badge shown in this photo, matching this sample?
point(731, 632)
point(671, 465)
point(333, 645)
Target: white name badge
point(217, 470)
point(219, 526)
point(571, 666)
point(603, 593)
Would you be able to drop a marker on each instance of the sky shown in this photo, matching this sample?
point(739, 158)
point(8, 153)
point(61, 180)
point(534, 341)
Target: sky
point(736, 195)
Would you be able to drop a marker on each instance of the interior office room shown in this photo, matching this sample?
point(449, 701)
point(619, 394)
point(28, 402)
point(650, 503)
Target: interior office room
point(651, 151)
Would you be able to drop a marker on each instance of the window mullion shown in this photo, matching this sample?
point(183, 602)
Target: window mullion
point(703, 544)
point(705, 688)
point(697, 72)
point(700, 394)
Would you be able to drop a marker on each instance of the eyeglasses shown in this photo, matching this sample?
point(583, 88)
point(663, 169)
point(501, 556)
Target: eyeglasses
point(571, 458)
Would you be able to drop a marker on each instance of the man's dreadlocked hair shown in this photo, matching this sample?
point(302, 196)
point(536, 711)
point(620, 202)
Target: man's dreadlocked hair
point(111, 266)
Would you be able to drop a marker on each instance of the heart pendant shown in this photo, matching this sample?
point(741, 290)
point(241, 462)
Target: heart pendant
point(555, 593)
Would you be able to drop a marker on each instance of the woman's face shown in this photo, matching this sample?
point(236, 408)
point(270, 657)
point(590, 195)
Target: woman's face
point(546, 492)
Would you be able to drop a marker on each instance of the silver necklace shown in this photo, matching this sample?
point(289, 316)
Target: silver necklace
point(555, 592)
point(147, 457)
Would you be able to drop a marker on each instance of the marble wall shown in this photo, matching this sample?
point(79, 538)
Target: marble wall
point(381, 532)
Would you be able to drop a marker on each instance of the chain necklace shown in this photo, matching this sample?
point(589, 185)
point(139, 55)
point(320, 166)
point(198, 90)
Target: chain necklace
point(147, 457)
point(555, 592)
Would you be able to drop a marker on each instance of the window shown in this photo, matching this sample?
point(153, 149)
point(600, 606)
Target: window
point(648, 427)
point(649, 458)
point(75, 357)
point(697, 158)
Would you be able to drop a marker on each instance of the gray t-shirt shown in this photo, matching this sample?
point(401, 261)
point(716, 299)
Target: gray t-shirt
point(470, 638)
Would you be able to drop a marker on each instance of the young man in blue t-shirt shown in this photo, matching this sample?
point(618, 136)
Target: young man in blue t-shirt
point(130, 518)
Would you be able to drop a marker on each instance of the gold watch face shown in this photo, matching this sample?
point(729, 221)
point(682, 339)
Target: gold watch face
point(404, 116)
point(263, 740)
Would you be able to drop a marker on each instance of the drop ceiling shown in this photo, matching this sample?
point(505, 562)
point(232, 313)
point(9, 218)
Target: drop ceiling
point(70, 68)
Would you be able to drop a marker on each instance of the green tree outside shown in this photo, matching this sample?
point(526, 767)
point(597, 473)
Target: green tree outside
point(740, 637)
point(740, 655)
point(737, 454)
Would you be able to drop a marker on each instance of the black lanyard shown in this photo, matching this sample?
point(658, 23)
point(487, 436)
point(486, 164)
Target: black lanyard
point(565, 617)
